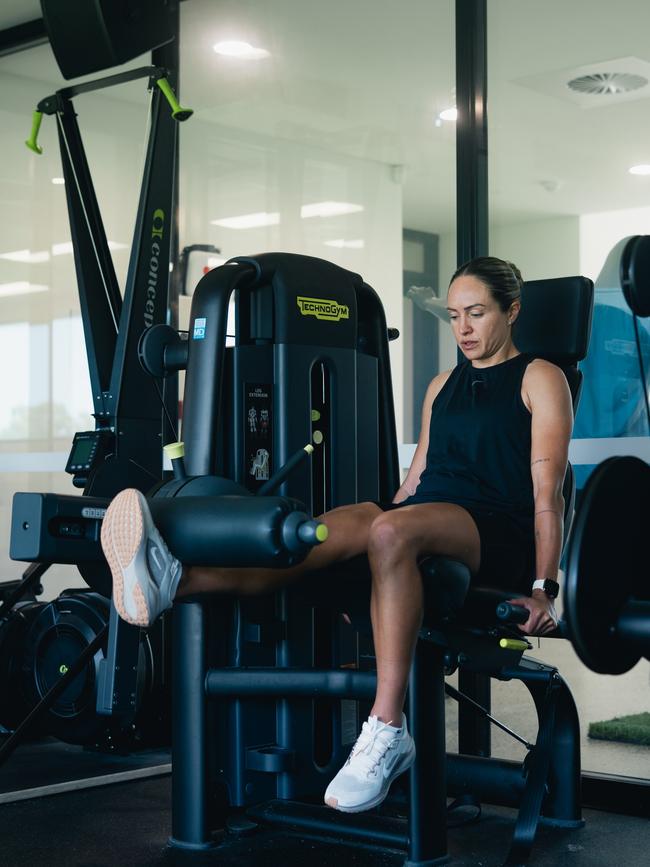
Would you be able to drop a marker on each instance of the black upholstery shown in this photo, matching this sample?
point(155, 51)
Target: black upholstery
point(555, 319)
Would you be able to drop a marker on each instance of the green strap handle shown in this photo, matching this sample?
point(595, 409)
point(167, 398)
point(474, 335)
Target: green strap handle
point(178, 112)
point(31, 142)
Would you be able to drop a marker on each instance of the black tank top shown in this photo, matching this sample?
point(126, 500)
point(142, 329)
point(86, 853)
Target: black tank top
point(480, 441)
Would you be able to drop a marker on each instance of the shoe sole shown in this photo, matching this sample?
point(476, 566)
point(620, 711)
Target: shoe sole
point(122, 535)
point(398, 770)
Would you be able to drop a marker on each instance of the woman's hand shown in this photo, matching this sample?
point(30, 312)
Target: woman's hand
point(542, 617)
point(402, 494)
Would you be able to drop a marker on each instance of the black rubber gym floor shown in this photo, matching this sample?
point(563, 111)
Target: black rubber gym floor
point(129, 823)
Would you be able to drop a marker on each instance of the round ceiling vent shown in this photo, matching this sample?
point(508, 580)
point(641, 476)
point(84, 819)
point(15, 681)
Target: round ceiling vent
point(607, 82)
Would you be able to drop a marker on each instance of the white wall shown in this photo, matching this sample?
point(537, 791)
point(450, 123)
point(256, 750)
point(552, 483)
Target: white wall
point(539, 248)
point(600, 232)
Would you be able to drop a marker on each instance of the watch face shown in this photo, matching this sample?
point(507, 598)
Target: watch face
point(551, 588)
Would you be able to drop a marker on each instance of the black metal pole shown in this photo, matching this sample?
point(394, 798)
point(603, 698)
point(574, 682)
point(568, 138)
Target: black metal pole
point(371, 830)
point(563, 801)
point(474, 733)
point(22, 37)
point(428, 782)
point(284, 682)
point(168, 56)
point(472, 239)
point(471, 129)
point(189, 730)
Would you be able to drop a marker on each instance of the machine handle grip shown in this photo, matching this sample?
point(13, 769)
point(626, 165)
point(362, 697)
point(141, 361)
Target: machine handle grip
point(178, 112)
point(31, 142)
point(510, 613)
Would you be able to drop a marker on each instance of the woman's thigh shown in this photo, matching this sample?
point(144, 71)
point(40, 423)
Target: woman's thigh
point(445, 529)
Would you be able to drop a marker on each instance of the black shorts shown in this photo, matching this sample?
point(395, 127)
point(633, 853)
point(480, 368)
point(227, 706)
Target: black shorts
point(507, 547)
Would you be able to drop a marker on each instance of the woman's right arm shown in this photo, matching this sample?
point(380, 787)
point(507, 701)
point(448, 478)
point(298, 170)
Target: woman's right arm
point(412, 480)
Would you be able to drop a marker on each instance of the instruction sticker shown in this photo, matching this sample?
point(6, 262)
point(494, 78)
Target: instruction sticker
point(258, 433)
point(199, 328)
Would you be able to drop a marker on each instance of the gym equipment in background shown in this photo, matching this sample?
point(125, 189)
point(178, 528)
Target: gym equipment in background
point(615, 399)
point(40, 642)
point(125, 447)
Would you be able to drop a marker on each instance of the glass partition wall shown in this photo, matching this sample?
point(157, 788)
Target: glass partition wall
point(569, 85)
point(333, 135)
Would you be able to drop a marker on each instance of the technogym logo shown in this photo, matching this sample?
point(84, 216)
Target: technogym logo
point(323, 308)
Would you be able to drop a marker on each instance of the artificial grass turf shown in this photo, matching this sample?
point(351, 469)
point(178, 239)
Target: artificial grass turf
point(631, 729)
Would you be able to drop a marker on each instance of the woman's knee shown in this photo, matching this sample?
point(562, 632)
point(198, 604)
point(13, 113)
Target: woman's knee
point(390, 534)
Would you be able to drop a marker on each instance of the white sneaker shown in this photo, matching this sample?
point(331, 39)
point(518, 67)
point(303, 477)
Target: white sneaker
point(381, 753)
point(145, 574)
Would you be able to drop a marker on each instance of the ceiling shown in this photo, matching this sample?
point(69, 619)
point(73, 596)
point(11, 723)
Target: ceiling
point(367, 78)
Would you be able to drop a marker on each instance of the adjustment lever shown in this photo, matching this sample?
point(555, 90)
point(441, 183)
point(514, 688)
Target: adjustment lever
point(286, 469)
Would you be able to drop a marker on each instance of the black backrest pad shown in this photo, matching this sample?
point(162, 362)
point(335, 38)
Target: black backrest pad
point(555, 319)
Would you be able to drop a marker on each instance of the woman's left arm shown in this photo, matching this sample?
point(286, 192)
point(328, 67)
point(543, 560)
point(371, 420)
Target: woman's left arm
point(551, 426)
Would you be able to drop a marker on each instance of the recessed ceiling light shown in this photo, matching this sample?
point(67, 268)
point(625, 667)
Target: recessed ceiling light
point(243, 50)
point(22, 287)
point(329, 209)
point(249, 221)
point(26, 256)
point(356, 244)
point(62, 249)
point(65, 248)
point(642, 169)
point(58, 181)
point(449, 114)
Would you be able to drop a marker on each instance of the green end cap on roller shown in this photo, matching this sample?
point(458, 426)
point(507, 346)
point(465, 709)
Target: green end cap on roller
point(315, 415)
point(178, 112)
point(31, 142)
point(513, 644)
point(322, 532)
point(174, 450)
point(309, 448)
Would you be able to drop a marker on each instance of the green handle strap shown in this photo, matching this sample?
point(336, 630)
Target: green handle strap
point(31, 142)
point(178, 112)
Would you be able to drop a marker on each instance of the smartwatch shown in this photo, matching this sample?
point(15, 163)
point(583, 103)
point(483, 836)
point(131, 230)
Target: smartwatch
point(548, 585)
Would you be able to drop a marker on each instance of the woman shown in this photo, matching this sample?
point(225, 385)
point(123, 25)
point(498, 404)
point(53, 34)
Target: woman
point(484, 488)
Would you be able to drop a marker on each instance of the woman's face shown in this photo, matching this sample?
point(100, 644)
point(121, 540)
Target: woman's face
point(480, 327)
